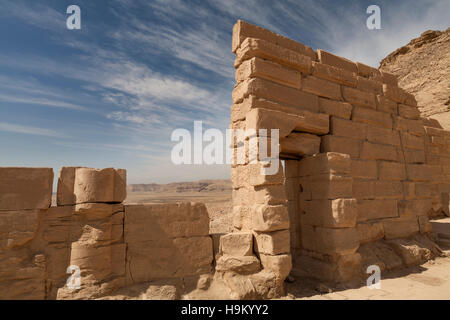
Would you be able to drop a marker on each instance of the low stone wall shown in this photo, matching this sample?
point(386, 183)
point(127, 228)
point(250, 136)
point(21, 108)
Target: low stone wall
point(91, 245)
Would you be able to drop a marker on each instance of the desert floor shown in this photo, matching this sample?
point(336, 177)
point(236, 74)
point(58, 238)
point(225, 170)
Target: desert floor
point(428, 281)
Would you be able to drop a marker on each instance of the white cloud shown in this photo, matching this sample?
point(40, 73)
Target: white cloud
point(17, 128)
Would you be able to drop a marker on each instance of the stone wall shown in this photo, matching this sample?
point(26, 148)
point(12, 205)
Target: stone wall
point(362, 168)
point(93, 235)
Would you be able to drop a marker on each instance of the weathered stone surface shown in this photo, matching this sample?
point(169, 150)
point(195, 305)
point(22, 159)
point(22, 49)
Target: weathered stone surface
point(336, 61)
point(343, 145)
point(322, 88)
point(326, 186)
point(275, 92)
point(300, 144)
point(25, 188)
point(400, 227)
point(338, 213)
point(281, 264)
point(270, 218)
point(259, 68)
point(364, 169)
point(376, 209)
point(359, 98)
point(334, 74)
point(286, 123)
point(239, 264)
point(167, 220)
point(330, 241)
point(372, 117)
point(243, 30)
point(335, 108)
point(330, 162)
point(370, 232)
point(94, 185)
point(237, 244)
point(347, 128)
point(272, 243)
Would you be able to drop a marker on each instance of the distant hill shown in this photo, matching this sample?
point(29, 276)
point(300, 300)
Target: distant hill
point(195, 186)
point(423, 69)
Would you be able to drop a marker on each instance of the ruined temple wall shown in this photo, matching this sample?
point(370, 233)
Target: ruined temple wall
point(108, 244)
point(361, 164)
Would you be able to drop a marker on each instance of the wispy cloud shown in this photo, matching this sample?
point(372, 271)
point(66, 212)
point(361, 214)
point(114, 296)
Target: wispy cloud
point(17, 128)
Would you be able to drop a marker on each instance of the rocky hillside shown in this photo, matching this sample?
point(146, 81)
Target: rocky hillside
point(195, 186)
point(423, 69)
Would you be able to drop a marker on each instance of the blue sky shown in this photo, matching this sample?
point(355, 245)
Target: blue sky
point(110, 94)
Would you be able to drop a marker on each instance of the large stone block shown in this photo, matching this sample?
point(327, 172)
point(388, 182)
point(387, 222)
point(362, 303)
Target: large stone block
point(370, 232)
point(281, 264)
point(408, 112)
point(239, 264)
point(322, 88)
point(386, 105)
point(25, 188)
point(363, 169)
point(359, 98)
point(369, 85)
point(330, 162)
point(326, 186)
point(400, 227)
point(286, 123)
point(338, 213)
point(82, 185)
point(167, 220)
point(394, 93)
point(273, 194)
point(343, 145)
point(300, 144)
point(336, 61)
point(372, 117)
point(243, 30)
point(267, 218)
point(259, 68)
point(275, 92)
point(391, 171)
point(376, 209)
point(367, 71)
point(334, 74)
point(383, 136)
point(372, 151)
point(335, 108)
point(330, 241)
point(273, 243)
point(347, 128)
point(237, 244)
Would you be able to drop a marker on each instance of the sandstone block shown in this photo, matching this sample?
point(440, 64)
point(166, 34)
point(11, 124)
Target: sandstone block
point(413, 208)
point(419, 172)
point(364, 169)
point(383, 136)
point(394, 93)
point(338, 213)
point(334, 74)
point(92, 185)
point(322, 88)
point(273, 243)
point(388, 189)
point(408, 112)
point(391, 171)
point(272, 91)
point(330, 241)
point(326, 186)
point(369, 85)
point(370, 232)
point(376, 209)
point(274, 194)
point(412, 142)
point(281, 265)
point(335, 108)
point(238, 264)
point(424, 224)
point(386, 105)
point(243, 30)
point(347, 128)
point(330, 162)
point(267, 119)
point(389, 78)
point(400, 227)
point(414, 127)
point(367, 71)
point(336, 61)
point(372, 151)
point(25, 188)
point(359, 98)
point(267, 218)
point(169, 220)
point(237, 244)
point(300, 144)
point(343, 145)
point(260, 177)
point(372, 117)
point(259, 68)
